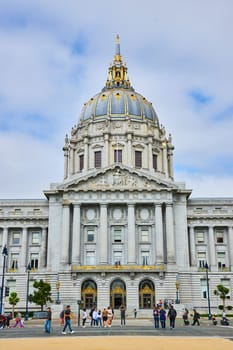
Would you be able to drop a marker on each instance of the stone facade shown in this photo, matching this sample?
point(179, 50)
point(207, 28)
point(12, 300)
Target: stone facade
point(118, 228)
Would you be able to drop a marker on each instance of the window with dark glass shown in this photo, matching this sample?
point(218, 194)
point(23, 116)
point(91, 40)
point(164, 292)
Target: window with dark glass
point(155, 161)
point(98, 159)
point(118, 156)
point(81, 162)
point(138, 159)
point(34, 261)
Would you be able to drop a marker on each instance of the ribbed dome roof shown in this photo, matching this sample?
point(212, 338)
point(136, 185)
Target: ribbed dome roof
point(118, 103)
point(118, 99)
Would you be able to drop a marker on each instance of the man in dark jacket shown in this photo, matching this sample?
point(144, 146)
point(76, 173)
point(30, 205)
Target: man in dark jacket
point(172, 316)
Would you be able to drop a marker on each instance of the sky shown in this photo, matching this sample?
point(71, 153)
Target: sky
point(55, 54)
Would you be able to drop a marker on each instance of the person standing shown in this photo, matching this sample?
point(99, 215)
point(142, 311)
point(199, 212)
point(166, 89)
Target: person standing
point(84, 318)
point(156, 316)
point(18, 321)
point(99, 318)
point(196, 317)
point(185, 317)
point(105, 317)
point(162, 317)
point(110, 316)
point(47, 325)
point(67, 316)
point(135, 313)
point(172, 316)
point(122, 311)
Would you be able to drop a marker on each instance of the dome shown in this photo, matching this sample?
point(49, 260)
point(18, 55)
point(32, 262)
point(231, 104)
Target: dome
point(118, 99)
point(117, 103)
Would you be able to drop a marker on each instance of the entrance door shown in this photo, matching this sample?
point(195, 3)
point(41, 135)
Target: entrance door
point(146, 301)
point(117, 301)
point(89, 301)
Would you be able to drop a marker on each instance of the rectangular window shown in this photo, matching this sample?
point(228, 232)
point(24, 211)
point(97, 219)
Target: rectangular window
point(117, 256)
point(12, 285)
point(35, 238)
point(90, 258)
point(201, 257)
point(200, 237)
point(138, 159)
point(16, 238)
point(221, 259)
point(117, 235)
point(34, 261)
point(81, 162)
point(219, 236)
point(117, 156)
point(145, 258)
point(204, 291)
point(144, 235)
point(98, 159)
point(154, 161)
point(90, 236)
point(14, 261)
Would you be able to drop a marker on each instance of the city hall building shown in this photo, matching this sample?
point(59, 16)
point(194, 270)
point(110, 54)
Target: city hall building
point(118, 228)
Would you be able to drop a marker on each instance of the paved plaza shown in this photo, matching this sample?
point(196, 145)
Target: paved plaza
point(137, 334)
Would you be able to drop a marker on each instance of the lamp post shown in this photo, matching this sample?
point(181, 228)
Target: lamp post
point(58, 284)
point(28, 274)
point(177, 289)
point(79, 303)
point(208, 290)
point(5, 254)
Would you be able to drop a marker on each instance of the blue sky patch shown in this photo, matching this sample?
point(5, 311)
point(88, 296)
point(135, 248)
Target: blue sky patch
point(199, 97)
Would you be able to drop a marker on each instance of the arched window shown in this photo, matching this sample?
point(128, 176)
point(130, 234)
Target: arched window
point(146, 294)
point(88, 294)
point(117, 293)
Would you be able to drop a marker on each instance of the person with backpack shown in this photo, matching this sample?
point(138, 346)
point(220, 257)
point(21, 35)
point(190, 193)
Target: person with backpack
point(172, 316)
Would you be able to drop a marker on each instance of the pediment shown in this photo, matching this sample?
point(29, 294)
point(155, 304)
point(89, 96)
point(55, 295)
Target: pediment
point(117, 178)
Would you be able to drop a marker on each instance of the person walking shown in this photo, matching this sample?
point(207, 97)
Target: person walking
point(162, 317)
point(185, 317)
point(47, 324)
point(67, 316)
point(172, 316)
point(196, 317)
point(156, 316)
point(122, 311)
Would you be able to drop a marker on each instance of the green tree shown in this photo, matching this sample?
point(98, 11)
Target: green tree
point(42, 294)
point(13, 300)
point(222, 292)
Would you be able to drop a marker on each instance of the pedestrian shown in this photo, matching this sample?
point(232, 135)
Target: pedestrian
point(95, 317)
point(2, 321)
point(156, 316)
point(172, 316)
point(67, 316)
point(122, 311)
point(8, 319)
point(185, 317)
point(135, 313)
point(48, 320)
point(99, 318)
point(162, 317)
point(196, 317)
point(84, 318)
point(105, 317)
point(91, 316)
point(18, 321)
point(62, 318)
point(110, 316)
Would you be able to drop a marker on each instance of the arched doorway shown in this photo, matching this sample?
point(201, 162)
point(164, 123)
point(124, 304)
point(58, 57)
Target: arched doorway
point(89, 294)
point(146, 294)
point(117, 293)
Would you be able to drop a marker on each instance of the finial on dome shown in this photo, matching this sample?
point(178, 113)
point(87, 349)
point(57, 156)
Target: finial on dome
point(118, 45)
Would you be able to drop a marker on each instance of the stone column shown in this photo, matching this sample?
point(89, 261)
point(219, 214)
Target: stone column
point(230, 246)
point(192, 246)
point(24, 258)
point(159, 234)
point(150, 156)
point(165, 169)
point(170, 234)
point(76, 235)
point(106, 160)
point(129, 150)
point(5, 236)
point(71, 160)
point(65, 233)
point(103, 242)
point(43, 246)
point(212, 258)
point(86, 155)
point(66, 163)
point(131, 235)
